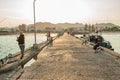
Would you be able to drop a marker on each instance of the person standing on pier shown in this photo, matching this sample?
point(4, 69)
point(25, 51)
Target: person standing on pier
point(49, 39)
point(48, 35)
point(21, 43)
point(84, 39)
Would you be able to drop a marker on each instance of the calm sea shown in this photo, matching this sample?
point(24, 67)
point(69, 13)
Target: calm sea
point(8, 43)
point(114, 39)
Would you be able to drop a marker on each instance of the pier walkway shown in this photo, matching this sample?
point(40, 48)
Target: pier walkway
point(67, 59)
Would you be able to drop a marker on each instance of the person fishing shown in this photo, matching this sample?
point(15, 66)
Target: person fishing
point(21, 43)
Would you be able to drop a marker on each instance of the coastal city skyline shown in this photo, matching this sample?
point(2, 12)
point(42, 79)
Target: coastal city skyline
point(16, 12)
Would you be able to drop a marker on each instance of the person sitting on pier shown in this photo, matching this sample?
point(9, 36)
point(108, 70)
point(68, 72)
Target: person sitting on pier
point(96, 47)
point(21, 43)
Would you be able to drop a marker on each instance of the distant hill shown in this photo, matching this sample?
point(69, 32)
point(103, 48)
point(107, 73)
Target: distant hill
point(69, 25)
point(44, 24)
point(59, 25)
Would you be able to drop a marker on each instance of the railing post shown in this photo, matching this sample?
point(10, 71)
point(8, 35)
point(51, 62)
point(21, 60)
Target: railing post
point(35, 46)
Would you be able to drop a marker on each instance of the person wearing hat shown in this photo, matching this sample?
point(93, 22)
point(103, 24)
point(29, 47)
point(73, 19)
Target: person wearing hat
point(21, 43)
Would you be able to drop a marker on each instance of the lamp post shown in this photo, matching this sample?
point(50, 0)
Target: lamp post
point(35, 44)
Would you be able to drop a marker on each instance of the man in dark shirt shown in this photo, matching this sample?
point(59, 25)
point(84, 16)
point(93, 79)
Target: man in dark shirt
point(21, 43)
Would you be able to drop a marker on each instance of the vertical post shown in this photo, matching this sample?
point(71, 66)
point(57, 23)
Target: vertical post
point(34, 20)
point(35, 44)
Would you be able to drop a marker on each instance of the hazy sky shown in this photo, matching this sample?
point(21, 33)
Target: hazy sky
point(14, 12)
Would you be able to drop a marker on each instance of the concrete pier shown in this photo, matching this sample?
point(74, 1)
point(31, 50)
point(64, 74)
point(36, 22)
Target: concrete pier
point(67, 59)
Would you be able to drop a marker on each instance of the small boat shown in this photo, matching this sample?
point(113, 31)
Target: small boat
point(100, 39)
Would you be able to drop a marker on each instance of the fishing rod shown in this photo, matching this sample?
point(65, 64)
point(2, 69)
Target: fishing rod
point(3, 20)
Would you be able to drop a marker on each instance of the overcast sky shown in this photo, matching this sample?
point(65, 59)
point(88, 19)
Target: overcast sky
point(14, 12)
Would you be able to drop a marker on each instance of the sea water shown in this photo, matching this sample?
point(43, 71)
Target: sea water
point(114, 39)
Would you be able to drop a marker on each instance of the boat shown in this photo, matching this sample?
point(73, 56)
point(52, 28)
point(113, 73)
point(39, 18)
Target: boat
point(100, 39)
